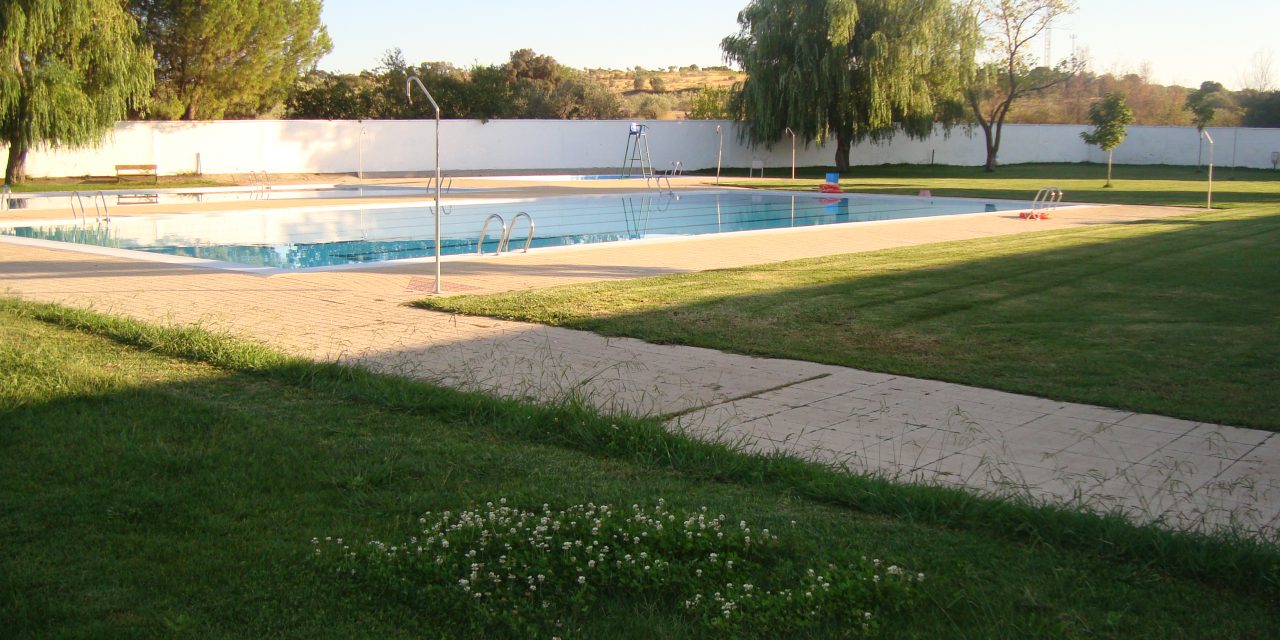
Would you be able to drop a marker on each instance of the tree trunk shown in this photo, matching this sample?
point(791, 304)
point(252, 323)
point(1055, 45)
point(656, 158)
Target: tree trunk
point(1108, 168)
point(14, 169)
point(993, 147)
point(843, 146)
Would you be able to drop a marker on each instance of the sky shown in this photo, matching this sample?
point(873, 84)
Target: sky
point(1175, 41)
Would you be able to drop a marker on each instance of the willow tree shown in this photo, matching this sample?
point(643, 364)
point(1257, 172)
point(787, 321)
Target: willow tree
point(229, 58)
point(68, 70)
point(850, 69)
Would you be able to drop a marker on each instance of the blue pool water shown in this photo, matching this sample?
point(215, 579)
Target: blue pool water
point(316, 236)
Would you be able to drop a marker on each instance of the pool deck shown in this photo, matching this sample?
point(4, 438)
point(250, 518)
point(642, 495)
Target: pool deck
point(1184, 473)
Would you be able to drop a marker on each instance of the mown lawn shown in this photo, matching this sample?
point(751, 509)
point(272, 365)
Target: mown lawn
point(167, 483)
point(1162, 185)
point(1175, 316)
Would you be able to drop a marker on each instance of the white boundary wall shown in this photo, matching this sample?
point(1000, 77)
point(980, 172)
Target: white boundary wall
point(320, 146)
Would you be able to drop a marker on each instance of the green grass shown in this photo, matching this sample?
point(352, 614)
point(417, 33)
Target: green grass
point(166, 482)
point(1173, 316)
point(108, 184)
point(1162, 185)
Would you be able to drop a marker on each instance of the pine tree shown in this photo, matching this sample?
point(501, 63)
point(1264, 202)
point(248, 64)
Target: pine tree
point(229, 58)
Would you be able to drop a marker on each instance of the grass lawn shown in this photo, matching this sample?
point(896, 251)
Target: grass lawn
point(170, 483)
point(1083, 182)
point(1174, 316)
point(82, 184)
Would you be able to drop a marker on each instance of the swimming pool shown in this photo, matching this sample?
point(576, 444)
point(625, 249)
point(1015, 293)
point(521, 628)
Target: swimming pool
point(319, 236)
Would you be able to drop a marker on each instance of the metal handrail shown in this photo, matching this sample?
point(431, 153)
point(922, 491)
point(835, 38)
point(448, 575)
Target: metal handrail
point(1046, 200)
point(505, 243)
point(262, 185)
point(433, 185)
point(485, 227)
point(408, 92)
point(104, 213)
point(77, 200)
point(657, 182)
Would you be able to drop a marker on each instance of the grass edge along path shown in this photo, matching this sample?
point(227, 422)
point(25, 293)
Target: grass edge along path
point(1166, 317)
point(1226, 559)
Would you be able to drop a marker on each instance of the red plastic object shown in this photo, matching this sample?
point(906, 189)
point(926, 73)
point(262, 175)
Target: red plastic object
point(827, 187)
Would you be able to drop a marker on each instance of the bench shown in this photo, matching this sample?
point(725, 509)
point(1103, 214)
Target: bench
point(123, 170)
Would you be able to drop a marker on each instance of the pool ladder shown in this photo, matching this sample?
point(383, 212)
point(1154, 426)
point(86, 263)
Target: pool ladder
point(1046, 200)
point(100, 211)
point(504, 240)
point(657, 182)
point(432, 185)
point(5, 192)
point(261, 183)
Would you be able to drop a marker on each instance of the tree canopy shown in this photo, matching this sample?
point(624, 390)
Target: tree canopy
point(73, 67)
point(850, 69)
point(228, 58)
point(1009, 27)
point(1204, 103)
point(529, 85)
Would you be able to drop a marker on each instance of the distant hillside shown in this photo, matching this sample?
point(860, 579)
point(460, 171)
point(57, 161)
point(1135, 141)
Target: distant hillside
point(674, 84)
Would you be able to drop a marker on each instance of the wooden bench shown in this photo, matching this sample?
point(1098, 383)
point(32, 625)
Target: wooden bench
point(130, 170)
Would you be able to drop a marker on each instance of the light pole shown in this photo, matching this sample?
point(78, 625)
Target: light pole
point(1209, 200)
point(793, 152)
point(408, 92)
point(720, 153)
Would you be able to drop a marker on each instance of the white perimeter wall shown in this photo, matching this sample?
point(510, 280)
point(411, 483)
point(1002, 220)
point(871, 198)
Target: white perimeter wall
point(314, 146)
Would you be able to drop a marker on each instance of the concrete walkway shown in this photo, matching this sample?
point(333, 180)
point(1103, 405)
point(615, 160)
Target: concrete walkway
point(1184, 473)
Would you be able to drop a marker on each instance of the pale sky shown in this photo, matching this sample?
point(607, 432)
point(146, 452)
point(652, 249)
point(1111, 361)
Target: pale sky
point(1181, 41)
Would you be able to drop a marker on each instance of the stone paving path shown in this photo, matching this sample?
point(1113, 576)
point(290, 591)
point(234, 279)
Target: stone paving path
point(1184, 473)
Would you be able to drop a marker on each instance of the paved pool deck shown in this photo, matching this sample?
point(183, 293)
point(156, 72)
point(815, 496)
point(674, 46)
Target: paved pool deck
point(1184, 473)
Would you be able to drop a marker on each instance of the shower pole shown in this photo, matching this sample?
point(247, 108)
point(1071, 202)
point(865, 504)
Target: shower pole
point(408, 92)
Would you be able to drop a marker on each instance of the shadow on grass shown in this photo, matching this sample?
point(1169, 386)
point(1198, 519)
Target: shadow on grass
point(1177, 322)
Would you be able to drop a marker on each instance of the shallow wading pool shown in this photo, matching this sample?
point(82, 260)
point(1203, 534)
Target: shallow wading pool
point(329, 236)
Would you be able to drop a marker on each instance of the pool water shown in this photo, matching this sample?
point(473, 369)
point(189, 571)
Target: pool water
point(316, 236)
